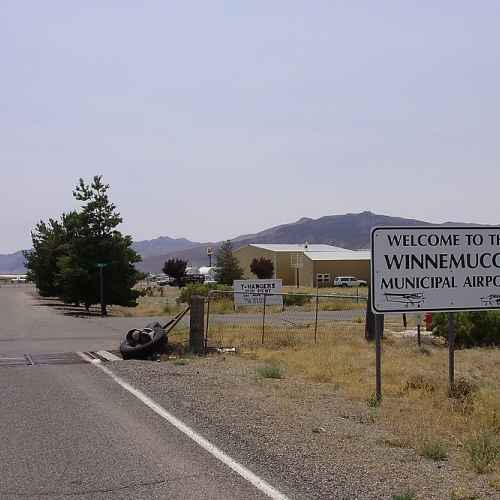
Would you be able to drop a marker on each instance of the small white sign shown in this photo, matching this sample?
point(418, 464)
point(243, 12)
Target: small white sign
point(435, 268)
point(252, 292)
point(419, 318)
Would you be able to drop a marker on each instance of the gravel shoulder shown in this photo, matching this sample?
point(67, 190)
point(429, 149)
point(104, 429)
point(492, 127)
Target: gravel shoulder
point(304, 438)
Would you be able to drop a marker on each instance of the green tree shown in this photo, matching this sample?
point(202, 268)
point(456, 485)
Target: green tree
point(228, 268)
point(87, 237)
point(50, 240)
point(262, 268)
point(175, 268)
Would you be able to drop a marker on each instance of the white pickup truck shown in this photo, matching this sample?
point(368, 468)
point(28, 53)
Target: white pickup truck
point(346, 281)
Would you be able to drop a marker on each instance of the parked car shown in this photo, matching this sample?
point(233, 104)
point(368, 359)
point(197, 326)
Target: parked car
point(346, 281)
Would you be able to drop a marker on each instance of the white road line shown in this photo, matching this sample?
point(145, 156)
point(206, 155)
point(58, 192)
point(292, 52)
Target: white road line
point(247, 474)
point(108, 355)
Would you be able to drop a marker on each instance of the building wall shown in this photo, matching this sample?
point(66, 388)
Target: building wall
point(358, 268)
point(307, 274)
point(307, 277)
point(284, 270)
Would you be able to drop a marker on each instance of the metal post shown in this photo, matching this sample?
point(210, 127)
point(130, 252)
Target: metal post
point(451, 351)
point(419, 341)
point(316, 320)
point(378, 356)
point(264, 319)
point(101, 278)
point(208, 323)
point(357, 295)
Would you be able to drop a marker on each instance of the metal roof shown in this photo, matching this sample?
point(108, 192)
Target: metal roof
point(345, 255)
point(285, 247)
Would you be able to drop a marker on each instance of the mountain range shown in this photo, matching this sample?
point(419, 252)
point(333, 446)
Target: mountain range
point(348, 231)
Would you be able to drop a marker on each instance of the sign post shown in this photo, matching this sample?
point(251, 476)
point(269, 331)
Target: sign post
point(101, 266)
point(418, 319)
point(436, 268)
point(379, 326)
point(451, 351)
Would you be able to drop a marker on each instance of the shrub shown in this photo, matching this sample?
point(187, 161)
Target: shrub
point(409, 495)
point(262, 268)
point(199, 289)
point(372, 401)
point(295, 299)
point(472, 329)
point(435, 450)
point(270, 371)
point(484, 451)
point(418, 383)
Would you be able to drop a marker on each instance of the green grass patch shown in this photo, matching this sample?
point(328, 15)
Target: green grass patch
point(408, 495)
point(435, 450)
point(270, 371)
point(181, 362)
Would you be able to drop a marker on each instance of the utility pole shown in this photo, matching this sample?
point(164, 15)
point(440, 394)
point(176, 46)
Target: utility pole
point(210, 252)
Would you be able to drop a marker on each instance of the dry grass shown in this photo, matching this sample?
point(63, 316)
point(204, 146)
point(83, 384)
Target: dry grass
point(362, 290)
point(149, 306)
point(416, 406)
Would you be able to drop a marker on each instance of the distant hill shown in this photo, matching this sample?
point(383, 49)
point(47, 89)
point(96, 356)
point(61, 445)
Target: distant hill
point(12, 263)
point(162, 246)
point(348, 231)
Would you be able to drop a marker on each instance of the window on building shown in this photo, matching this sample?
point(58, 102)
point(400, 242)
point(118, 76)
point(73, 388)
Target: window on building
point(323, 279)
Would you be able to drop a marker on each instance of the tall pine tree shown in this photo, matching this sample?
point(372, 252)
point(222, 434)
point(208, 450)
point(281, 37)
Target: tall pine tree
point(228, 268)
point(65, 256)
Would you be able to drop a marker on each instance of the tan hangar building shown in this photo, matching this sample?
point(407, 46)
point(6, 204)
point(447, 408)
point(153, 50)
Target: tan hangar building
point(307, 264)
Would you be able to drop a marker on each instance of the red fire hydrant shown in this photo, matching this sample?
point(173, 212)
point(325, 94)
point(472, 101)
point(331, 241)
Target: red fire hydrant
point(428, 322)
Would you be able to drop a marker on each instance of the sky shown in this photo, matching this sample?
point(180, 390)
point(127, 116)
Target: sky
point(214, 119)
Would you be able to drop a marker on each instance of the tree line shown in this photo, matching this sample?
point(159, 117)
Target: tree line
point(227, 267)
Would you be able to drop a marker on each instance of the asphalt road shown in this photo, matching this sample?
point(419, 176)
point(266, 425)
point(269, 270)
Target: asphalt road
point(29, 325)
point(70, 431)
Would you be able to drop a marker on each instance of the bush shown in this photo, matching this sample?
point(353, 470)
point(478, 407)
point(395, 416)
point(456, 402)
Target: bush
point(407, 495)
point(296, 299)
point(270, 371)
point(472, 329)
point(484, 451)
point(200, 289)
point(434, 449)
point(418, 383)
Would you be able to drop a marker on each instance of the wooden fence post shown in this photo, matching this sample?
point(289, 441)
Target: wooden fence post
point(197, 325)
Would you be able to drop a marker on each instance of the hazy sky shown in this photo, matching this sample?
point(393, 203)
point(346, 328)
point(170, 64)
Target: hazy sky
point(210, 119)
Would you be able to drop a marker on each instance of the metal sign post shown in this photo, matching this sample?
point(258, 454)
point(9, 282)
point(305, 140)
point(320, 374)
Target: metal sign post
point(451, 352)
point(379, 325)
point(418, 319)
point(101, 266)
point(263, 319)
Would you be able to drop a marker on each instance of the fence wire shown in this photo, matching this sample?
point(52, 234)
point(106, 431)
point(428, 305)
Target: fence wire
point(302, 318)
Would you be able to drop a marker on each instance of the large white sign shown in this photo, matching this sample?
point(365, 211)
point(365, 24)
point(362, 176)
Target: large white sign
point(252, 292)
point(435, 268)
